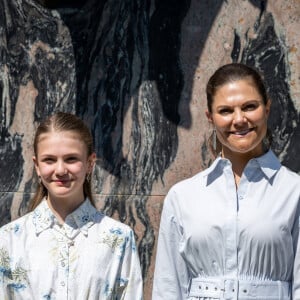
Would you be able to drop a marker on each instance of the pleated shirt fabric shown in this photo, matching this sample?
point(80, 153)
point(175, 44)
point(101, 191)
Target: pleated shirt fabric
point(212, 230)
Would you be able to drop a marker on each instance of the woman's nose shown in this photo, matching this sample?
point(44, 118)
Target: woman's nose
point(239, 117)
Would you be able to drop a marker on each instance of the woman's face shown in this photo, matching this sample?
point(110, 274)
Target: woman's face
point(239, 116)
point(62, 164)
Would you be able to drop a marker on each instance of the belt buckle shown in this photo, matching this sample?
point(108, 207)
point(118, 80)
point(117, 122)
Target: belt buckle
point(230, 289)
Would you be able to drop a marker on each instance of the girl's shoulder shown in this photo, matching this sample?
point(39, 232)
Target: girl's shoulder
point(15, 225)
point(114, 226)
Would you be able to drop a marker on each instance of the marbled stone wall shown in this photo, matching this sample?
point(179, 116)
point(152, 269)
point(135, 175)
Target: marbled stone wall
point(135, 71)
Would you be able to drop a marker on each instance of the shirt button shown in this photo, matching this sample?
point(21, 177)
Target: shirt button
point(62, 283)
point(62, 264)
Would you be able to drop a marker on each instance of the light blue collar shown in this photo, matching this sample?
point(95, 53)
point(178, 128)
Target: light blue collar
point(80, 219)
point(268, 163)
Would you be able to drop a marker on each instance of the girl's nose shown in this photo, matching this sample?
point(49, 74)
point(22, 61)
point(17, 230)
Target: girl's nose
point(60, 169)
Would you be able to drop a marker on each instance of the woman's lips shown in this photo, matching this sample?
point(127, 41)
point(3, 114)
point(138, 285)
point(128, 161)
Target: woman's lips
point(241, 132)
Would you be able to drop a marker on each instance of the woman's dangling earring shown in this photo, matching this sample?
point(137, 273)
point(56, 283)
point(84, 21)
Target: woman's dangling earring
point(40, 180)
point(214, 140)
point(88, 177)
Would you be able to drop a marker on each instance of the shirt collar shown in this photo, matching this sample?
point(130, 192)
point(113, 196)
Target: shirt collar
point(268, 163)
point(80, 219)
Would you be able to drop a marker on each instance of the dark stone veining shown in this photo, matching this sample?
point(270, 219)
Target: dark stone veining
point(268, 55)
point(119, 66)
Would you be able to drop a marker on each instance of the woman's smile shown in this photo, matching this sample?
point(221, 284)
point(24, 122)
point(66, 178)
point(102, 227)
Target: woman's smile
point(242, 133)
point(240, 118)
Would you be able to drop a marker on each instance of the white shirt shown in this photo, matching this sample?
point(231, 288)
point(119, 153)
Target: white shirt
point(90, 256)
point(210, 229)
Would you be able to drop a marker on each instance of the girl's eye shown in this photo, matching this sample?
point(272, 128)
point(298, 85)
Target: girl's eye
point(48, 160)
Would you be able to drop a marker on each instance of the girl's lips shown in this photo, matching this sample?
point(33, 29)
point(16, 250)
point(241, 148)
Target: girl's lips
point(61, 181)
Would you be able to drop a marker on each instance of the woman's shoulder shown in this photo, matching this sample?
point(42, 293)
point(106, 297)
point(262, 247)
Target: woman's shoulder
point(289, 176)
point(197, 179)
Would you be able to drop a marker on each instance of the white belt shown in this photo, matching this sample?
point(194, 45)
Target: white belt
point(239, 289)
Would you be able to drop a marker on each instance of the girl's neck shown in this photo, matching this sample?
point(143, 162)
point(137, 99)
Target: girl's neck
point(61, 208)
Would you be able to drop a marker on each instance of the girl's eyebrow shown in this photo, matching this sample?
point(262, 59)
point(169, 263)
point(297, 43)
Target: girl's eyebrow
point(66, 155)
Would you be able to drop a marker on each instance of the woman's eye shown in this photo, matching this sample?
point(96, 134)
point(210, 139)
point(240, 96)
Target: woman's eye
point(250, 107)
point(71, 159)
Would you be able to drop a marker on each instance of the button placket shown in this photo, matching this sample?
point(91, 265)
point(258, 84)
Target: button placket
point(230, 227)
point(63, 270)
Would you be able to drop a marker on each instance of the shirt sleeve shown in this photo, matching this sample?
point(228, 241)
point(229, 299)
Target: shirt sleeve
point(171, 275)
point(130, 281)
point(296, 270)
point(5, 270)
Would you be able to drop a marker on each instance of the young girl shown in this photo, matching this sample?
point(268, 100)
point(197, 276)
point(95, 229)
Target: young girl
point(64, 248)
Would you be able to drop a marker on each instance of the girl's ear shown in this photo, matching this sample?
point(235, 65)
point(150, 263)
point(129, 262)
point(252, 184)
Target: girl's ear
point(91, 162)
point(36, 166)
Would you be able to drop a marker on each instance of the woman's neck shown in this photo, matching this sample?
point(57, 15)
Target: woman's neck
point(238, 162)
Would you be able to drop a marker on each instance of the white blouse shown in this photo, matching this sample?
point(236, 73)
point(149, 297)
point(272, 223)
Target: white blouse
point(219, 242)
point(90, 256)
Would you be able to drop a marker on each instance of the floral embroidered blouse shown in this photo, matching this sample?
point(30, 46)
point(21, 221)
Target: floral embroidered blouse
point(89, 257)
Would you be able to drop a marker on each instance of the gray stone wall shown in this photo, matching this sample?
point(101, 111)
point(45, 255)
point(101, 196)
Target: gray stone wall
point(135, 71)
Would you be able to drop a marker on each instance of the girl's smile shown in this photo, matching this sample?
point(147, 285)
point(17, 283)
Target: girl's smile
point(62, 164)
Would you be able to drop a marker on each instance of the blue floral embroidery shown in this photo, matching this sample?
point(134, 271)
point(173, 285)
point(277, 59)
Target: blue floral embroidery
point(16, 228)
point(107, 289)
point(17, 278)
point(5, 272)
point(133, 245)
point(117, 231)
point(122, 281)
point(85, 219)
point(114, 239)
point(16, 286)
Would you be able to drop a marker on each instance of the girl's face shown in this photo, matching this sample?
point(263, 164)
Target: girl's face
point(62, 164)
point(239, 116)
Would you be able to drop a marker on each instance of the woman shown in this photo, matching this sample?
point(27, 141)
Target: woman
point(64, 248)
point(231, 231)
